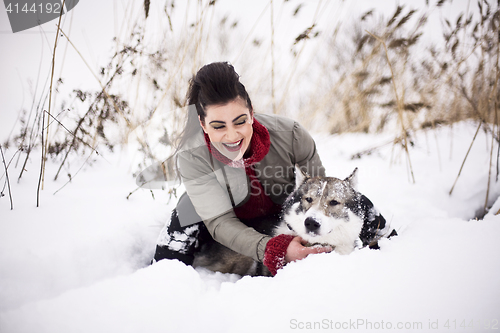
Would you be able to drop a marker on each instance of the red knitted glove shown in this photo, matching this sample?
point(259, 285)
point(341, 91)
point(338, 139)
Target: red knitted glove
point(274, 256)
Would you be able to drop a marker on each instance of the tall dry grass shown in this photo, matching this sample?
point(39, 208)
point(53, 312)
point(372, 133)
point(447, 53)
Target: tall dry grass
point(371, 74)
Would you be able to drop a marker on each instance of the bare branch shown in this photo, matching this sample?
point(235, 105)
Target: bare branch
point(7, 179)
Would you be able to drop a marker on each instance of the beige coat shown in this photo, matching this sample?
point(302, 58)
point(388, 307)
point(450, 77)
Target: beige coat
point(211, 185)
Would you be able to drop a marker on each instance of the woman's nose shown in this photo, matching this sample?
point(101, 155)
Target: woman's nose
point(232, 134)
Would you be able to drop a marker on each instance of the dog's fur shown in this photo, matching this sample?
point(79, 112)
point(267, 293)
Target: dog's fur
point(322, 211)
point(330, 211)
point(218, 258)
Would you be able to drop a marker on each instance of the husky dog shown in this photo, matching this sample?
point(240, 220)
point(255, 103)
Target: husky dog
point(329, 211)
point(321, 210)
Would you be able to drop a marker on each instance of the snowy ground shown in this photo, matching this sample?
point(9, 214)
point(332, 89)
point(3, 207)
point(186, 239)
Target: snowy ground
point(79, 262)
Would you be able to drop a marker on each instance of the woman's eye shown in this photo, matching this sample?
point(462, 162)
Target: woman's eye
point(241, 123)
point(218, 127)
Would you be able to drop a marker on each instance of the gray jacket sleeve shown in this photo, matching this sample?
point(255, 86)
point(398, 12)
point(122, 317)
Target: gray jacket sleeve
point(212, 203)
point(306, 155)
point(228, 230)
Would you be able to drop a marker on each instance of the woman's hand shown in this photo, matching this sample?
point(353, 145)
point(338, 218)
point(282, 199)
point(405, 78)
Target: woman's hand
point(297, 251)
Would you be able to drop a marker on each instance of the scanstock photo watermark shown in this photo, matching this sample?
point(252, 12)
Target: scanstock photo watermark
point(26, 14)
point(365, 324)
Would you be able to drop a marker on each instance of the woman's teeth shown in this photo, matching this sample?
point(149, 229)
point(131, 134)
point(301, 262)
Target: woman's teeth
point(233, 145)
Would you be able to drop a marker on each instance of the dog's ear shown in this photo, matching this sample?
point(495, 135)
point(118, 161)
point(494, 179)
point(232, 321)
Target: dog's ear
point(300, 177)
point(353, 179)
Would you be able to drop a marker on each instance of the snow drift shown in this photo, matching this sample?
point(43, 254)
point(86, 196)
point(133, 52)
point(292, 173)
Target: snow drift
point(80, 262)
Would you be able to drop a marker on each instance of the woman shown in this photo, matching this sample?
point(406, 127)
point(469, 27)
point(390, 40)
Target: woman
point(237, 167)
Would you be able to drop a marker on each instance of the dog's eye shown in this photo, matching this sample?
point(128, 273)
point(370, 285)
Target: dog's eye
point(309, 199)
point(333, 203)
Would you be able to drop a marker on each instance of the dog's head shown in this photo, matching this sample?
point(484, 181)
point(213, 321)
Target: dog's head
point(321, 209)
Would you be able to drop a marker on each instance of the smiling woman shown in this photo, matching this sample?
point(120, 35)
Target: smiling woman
point(221, 162)
point(230, 136)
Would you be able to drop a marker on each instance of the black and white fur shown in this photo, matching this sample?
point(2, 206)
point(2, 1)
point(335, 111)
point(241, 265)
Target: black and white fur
point(330, 211)
point(321, 210)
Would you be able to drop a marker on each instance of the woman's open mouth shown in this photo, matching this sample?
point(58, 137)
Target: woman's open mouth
point(234, 146)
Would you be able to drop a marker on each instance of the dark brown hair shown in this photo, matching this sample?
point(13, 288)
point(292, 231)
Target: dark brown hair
point(216, 84)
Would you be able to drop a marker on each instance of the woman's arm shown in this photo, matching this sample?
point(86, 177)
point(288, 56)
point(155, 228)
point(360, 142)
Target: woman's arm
point(283, 249)
point(211, 201)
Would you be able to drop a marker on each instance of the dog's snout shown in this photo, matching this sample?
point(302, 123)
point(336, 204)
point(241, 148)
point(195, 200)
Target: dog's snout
point(311, 224)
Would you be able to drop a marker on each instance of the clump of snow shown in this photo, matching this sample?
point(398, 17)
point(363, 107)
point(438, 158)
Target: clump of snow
point(80, 262)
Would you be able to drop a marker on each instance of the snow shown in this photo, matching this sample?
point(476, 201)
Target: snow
point(80, 262)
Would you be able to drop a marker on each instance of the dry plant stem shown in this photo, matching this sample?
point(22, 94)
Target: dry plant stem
point(370, 150)
point(42, 164)
point(132, 192)
point(90, 155)
point(18, 151)
point(29, 117)
point(72, 134)
point(250, 32)
point(325, 98)
point(489, 174)
point(175, 75)
point(69, 149)
point(207, 40)
point(293, 70)
point(493, 95)
point(438, 150)
point(34, 132)
point(457, 67)
point(498, 150)
point(44, 151)
point(7, 179)
point(82, 119)
point(482, 120)
point(129, 125)
point(199, 32)
point(466, 155)
point(138, 188)
point(103, 87)
point(399, 104)
point(497, 68)
point(63, 59)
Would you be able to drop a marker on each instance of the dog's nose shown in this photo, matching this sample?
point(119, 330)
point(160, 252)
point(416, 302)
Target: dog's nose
point(311, 224)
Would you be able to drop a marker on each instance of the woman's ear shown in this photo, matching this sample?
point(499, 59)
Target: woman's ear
point(202, 124)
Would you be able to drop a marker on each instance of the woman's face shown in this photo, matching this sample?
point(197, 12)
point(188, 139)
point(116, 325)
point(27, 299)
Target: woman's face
point(229, 128)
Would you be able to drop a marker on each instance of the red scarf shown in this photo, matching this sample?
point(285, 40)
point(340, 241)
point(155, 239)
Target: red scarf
point(259, 204)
